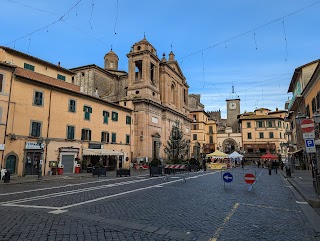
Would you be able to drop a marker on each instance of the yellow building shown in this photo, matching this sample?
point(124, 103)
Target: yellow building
point(46, 118)
point(262, 132)
point(203, 129)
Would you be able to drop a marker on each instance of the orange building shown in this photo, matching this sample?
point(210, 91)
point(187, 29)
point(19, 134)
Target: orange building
point(46, 119)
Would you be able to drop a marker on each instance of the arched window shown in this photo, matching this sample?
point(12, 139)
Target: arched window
point(173, 94)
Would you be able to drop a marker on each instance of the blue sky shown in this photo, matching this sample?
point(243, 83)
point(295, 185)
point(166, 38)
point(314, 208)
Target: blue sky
point(259, 63)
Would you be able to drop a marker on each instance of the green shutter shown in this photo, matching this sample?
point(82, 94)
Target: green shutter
point(82, 134)
point(105, 119)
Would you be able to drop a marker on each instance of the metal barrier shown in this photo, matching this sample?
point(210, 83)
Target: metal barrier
point(172, 169)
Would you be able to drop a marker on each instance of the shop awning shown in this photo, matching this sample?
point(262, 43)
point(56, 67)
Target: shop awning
point(101, 152)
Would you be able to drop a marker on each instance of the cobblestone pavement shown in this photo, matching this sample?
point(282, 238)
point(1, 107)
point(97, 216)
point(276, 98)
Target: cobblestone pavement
point(192, 206)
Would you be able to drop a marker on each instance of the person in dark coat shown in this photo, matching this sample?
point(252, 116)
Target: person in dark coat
point(270, 167)
point(204, 165)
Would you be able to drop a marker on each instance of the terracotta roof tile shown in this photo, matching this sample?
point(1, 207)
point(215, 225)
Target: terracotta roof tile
point(46, 79)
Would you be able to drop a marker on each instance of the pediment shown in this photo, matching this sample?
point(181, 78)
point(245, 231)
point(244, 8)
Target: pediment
point(175, 66)
point(156, 135)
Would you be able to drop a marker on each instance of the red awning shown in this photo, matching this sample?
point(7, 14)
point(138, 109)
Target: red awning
point(269, 156)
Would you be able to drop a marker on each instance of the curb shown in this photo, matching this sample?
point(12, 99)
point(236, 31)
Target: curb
point(315, 203)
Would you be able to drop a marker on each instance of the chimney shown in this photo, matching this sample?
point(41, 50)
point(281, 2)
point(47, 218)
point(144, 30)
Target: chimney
point(59, 63)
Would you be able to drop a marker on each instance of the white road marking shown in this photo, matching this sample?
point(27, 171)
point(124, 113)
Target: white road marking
point(123, 193)
point(301, 202)
point(14, 202)
point(28, 206)
point(269, 207)
point(58, 211)
point(58, 194)
point(68, 185)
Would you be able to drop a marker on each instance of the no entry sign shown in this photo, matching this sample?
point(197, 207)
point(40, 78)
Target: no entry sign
point(249, 178)
point(307, 125)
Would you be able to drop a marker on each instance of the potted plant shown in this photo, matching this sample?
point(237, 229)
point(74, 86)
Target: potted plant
point(123, 172)
point(60, 168)
point(155, 167)
point(99, 170)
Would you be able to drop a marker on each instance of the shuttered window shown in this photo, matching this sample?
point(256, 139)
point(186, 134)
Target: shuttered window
point(70, 132)
point(86, 135)
point(35, 129)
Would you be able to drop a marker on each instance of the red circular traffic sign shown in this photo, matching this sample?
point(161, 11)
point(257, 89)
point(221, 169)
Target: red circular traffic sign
point(249, 178)
point(307, 125)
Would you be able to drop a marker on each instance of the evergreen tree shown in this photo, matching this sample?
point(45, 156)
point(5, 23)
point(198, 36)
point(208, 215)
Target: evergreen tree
point(176, 146)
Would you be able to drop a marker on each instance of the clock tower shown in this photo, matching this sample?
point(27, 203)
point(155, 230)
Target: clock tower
point(233, 110)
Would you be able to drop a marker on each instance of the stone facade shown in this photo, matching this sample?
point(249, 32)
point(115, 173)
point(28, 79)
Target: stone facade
point(156, 90)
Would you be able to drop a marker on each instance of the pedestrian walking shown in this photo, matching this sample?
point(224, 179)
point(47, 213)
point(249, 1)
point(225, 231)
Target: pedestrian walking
point(270, 167)
point(259, 163)
point(204, 166)
point(242, 163)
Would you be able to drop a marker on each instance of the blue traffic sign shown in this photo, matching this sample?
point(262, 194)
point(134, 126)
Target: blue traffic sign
point(309, 143)
point(227, 177)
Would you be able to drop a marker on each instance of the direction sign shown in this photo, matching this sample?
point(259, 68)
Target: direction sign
point(310, 146)
point(249, 178)
point(227, 177)
point(309, 135)
point(307, 125)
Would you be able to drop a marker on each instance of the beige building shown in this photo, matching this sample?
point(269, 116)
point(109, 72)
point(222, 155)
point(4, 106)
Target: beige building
point(45, 118)
point(155, 89)
point(305, 103)
point(203, 129)
point(262, 132)
point(229, 137)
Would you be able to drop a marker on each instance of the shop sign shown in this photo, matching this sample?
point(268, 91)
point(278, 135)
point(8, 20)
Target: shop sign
point(94, 146)
point(34, 146)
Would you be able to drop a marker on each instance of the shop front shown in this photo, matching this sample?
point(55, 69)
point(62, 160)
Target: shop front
point(111, 160)
point(33, 157)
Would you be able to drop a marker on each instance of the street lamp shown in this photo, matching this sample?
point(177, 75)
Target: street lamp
point(316, 118)
point(300, 118)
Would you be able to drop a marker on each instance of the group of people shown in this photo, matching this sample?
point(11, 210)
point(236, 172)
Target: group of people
point(271, 165)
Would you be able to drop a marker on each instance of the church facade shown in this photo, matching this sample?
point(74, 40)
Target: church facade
point(155, 89)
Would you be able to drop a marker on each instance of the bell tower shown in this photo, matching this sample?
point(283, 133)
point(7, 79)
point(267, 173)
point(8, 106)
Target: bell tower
point(143, 74)
point(233, 110)
point(111, 61)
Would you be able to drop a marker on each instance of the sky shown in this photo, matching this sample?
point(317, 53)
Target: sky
point(227, 49)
